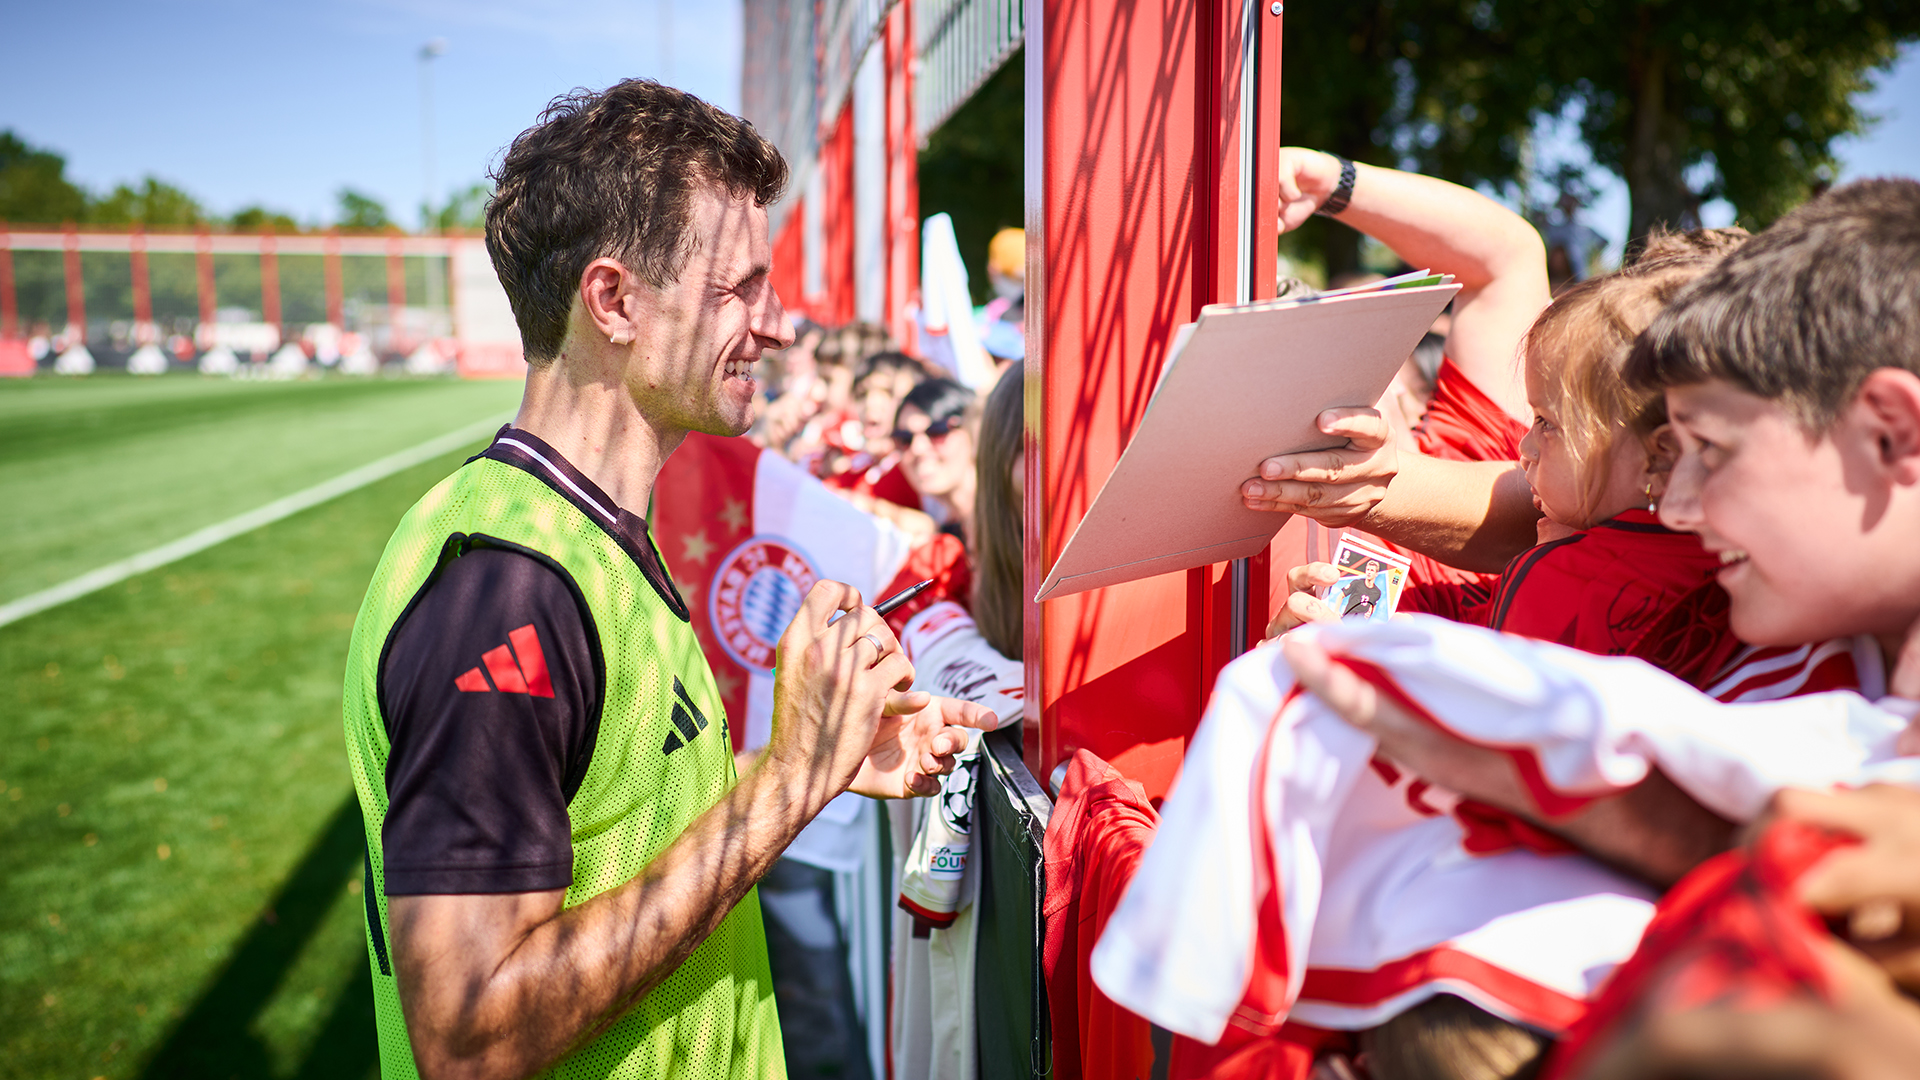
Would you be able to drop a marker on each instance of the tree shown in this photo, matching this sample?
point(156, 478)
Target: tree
point(1734, 99)
point(34, 186)
point(153, 202)
point(464, 210)
point(360, 211)
point(258, 218)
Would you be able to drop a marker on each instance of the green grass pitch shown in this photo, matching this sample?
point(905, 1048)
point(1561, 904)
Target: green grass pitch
point(180, 851)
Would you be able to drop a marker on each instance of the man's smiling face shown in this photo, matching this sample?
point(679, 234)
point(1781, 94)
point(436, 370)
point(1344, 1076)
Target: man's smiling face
point(1800, 522)
point(698, 339)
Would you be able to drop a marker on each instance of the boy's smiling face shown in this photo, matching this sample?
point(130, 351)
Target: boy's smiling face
point(1815, 533)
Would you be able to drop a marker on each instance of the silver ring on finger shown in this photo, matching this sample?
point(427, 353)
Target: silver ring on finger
point(879, 650)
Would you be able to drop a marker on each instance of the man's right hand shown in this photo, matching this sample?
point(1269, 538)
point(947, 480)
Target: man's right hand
point(831, 685)
point(1337, 487)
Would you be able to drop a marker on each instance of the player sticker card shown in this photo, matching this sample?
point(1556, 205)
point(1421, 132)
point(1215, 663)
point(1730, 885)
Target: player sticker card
point(1371, 580)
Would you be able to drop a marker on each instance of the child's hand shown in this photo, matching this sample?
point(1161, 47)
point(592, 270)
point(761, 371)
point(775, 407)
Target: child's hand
point(1307, 177)
point(1302, 606)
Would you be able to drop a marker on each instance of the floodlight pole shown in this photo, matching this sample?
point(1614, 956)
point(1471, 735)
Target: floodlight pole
point(436, 47)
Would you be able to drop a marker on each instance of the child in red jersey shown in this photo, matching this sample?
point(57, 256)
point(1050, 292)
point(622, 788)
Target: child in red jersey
point(1608, 577)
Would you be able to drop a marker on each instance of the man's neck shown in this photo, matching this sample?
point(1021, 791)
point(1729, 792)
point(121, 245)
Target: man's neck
point(595, 426)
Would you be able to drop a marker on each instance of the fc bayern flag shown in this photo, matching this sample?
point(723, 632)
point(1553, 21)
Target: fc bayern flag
point(745, 534)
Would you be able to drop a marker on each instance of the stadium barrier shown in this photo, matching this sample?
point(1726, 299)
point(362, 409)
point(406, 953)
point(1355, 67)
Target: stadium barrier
point(466, 325)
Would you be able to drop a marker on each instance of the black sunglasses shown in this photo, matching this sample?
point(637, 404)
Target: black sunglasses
point(936, 430)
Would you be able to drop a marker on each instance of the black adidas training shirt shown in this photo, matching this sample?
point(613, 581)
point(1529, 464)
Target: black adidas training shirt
point(491, 693)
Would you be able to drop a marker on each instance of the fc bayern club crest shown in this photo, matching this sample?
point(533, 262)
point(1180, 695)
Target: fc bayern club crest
point(756, 592)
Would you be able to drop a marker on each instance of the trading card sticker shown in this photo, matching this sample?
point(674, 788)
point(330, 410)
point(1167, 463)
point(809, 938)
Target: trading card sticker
point(1371, 580)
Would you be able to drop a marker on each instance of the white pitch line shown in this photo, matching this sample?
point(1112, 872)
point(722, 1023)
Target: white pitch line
point(199, 541)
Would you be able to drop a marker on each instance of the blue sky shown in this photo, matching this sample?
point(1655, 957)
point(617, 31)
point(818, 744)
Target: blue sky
point(250, 101)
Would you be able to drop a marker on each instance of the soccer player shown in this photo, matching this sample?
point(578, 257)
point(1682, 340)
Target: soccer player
point(561, 856)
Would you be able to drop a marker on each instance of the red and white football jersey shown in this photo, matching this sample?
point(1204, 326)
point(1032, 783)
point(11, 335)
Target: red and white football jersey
point(1297, 876)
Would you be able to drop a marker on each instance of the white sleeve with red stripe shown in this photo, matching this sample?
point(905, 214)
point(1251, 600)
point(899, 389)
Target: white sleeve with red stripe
point(1372, 882)
point(952, 659)
point(1179, 948)
point(1579, 725)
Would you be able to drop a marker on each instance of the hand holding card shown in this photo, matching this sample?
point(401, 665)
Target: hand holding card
point(1371, 580)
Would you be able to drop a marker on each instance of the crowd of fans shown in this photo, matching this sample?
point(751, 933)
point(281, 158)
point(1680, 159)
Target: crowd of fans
point(895, 435)
point(1525, 459)
point(1715, 450)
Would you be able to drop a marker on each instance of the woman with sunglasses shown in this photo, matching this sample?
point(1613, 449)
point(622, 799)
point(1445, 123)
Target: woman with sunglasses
point(933, 430)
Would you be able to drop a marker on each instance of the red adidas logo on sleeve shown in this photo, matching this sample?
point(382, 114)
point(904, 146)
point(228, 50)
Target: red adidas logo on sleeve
point(527, 676)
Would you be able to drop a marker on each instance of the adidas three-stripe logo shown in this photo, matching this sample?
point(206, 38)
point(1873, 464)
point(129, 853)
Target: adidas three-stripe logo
point(687, 717)
point(527, 675)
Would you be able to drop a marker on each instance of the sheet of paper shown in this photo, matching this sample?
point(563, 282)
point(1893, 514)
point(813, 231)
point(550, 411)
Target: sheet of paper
point(1245, 384)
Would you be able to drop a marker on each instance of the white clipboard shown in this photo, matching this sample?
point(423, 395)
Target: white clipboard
point(1242, 384)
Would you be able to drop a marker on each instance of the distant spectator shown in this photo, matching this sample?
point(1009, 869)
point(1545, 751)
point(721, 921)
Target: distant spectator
point(1571, 246)
point(880, 383)
point(1003, 320)
point(833, 430)
point(784, 399)
point(999, 606)
point(883, 380)
point(933, 430)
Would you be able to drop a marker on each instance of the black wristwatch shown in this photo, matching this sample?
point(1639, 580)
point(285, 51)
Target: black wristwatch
point(1341, 193)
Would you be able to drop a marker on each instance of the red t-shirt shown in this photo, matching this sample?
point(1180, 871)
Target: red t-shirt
point(1461, 424)
point(1100, 828)
point(1464, 424)
point(1629, 586)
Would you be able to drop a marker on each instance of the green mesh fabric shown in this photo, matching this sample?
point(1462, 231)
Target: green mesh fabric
point(713, 1018)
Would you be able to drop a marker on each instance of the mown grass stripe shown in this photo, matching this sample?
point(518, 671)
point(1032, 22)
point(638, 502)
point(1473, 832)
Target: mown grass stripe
point(202, 539)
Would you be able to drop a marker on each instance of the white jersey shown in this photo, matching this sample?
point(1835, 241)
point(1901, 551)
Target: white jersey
point(1298, 876)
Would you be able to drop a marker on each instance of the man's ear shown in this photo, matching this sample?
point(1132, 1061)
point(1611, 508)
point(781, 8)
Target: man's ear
point(1890, 398)
point(605, 295)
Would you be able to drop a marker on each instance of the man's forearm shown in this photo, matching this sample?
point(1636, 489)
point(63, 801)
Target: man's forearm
point(567, 975)
point(1475, 515)
point(1652, 830)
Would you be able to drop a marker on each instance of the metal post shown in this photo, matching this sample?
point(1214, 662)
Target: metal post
point(203, 273)
point(330, 259)
point(76, 287)
point(665, 11)
point(142, 288)
point(269, 278)
point(1243, 279)
point(396, 291)
point(9, 302)
point(436, 285)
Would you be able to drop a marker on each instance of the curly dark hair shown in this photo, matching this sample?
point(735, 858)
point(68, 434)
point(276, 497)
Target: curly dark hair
point(612, 173)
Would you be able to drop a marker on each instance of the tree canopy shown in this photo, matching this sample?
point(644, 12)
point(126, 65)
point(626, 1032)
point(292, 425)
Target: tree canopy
point(152, 202)
point(1687, 102)
point(35, 190)
point(34, 185)
point(361, 211)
